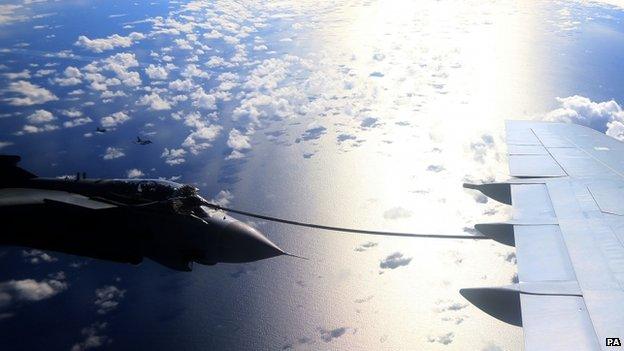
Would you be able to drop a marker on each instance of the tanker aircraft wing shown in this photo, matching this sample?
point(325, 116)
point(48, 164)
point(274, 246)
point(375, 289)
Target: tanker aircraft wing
point(567, 193)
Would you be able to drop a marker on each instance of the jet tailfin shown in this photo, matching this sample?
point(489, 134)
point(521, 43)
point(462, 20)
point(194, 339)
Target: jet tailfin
point(10, 172)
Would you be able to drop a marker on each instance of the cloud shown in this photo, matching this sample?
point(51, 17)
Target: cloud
point(203, 100)
point(173, 156)
point(394, 260)
point(223, 198)
point(452, 306)
point(510, 257)
point(329, 335)
point(344, 137)
point(397, 213)
point(30, 129)
point(365, 246)
point(4, 144)
point(114, 119)
point(113, 153)
point(107, 298)
point(77, 122)
point(192, 71)
point(202, 138)
point(72, 113)
point(156, 72)
point(72, 76)
point(605, 116)
point(237, 142)
point(32, 94)
point(481, 147)
point(108, 43)
point(181, 85)
point(313, 132)
point(25, 74)
point(92, 337)
point(119, 64)
point(30, 290)
point(435, 168)
point(40, 116)
point(37, 256)
point(8, 14)
point(134, 173)
point(443, 339)
point(155, 102)
point(369, 122)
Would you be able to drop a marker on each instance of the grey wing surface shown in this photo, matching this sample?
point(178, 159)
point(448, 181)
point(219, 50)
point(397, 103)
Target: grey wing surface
point(567, 193)
point(29, 196)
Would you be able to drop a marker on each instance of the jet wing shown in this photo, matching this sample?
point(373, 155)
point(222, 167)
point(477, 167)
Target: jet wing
point(567, 194)
point(30, 196)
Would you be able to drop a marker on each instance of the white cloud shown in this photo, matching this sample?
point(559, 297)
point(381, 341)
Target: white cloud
point(134, 173)
point(107, 298)
point(72, 113)
point(156, 72)
point(30, 290)
point(120, 63)
point(77, 122)
point(216, 61)
point(173, 156)
point(154, 101)
point(113, 153)
point(181, 85)
point(25, 74)
point(8, 14)
point(443, 339)
point(114, 119)
point(329, 335)
point(32, 94)
point(203, 100)
point(183, 44)
point(605, 116)
point(30, 129)
point(397, 213)
point(108, 43)
point(44, 72)
point(394, 260)
point(202, 138)
point(40, 116)
point(237, 140)
point(365, 246)
point(92, 337)
point(37, 256)
point(223, 198)
point(72, 76)
point(4, 144)
point(192, 71)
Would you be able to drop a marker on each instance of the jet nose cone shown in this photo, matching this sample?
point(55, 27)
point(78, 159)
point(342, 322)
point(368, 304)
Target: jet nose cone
point(241, 243)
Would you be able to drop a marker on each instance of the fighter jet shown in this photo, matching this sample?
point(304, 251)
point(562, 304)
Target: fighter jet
point(143, 141)
point(122, 220)
point(100, 130)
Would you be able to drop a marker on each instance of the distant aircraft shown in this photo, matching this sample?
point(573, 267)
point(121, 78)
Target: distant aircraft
point(567, 192)
point(121, 220)
point(101, 130)
point(143, 141)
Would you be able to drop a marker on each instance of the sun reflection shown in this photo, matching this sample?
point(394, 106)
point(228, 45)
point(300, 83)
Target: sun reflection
point(414, 96)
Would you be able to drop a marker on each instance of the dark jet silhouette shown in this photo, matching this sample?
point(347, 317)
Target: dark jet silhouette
point(143, 141)
point(122, 220)
point(100, 130)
